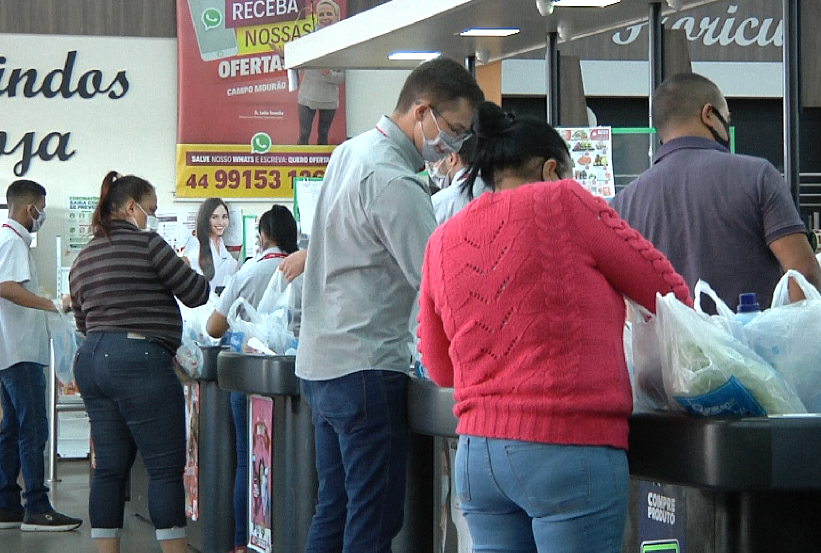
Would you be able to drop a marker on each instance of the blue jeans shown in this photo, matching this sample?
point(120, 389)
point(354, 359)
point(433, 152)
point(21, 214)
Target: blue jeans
point(239, 409)
point(23, 436)
point(360, 422)
point(134, 401)
point(527, 497)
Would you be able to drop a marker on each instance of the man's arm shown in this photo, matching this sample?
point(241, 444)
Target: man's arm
point(17, 294)
point(793, 252)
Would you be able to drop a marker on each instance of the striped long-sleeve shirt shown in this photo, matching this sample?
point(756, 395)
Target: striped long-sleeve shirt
point(128, 283)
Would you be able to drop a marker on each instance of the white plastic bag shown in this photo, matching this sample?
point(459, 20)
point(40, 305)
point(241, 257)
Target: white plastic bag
point(190, 357)
point(646, 376)
point(708, 371)
point(788, 336)
point(245, 324)
point(194, 321)
point(64, 341)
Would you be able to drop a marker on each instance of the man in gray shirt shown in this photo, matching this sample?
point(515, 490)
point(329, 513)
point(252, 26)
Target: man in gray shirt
point(372, 223)
point(724, 218)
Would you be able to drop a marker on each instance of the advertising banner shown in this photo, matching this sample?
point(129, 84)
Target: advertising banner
point(261, 476)
point(242, 131)
point(591, 150)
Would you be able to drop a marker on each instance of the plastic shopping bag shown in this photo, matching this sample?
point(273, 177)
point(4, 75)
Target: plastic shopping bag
point(190, 357)
point(65, 343)
point(280, 308)
point(194, 321)
point(245, 323)
point(646, 376)
point(788, 336)
point(709, 371)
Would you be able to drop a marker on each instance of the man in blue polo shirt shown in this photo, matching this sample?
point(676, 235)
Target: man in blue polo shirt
point(727, 219)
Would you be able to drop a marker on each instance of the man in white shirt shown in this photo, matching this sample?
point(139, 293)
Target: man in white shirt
point(24, 352)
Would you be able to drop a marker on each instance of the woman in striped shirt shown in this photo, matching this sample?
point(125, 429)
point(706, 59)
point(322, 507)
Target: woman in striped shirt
point(123, 286)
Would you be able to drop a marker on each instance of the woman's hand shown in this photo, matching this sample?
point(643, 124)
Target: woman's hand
point(294, 265)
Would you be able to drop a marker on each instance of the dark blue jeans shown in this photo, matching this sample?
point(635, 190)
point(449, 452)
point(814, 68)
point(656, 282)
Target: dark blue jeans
point(134, 401)
point(360, 422)
point(239, 408)
point(23, 437)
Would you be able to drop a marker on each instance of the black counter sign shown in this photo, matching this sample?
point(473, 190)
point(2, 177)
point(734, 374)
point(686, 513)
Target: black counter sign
point(662, 519)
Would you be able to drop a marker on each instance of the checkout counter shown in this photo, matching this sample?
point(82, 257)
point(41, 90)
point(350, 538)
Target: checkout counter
point(213, 531)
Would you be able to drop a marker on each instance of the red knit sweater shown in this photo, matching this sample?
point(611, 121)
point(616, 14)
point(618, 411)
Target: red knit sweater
point(522, 312)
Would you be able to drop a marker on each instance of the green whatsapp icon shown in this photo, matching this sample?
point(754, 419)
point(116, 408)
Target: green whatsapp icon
point(260, 143)
point(211, 18)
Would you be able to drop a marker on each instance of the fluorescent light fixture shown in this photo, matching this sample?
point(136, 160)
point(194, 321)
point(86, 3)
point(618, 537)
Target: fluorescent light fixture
point(584, 3)
point(489, 32)
point(413, 56)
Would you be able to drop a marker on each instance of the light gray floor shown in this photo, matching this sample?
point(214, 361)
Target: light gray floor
point(70, 496)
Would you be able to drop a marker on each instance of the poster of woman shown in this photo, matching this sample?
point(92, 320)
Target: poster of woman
point(259, 478)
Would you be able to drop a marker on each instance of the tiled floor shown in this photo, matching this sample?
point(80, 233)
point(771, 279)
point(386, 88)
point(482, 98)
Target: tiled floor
point(70, 496)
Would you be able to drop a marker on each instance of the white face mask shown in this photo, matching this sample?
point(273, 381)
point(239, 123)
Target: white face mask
point(440, 178)
point(443, 145)
point(39, 221)
point(151, 222)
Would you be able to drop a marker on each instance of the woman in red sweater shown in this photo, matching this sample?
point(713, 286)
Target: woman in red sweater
point(522, 311)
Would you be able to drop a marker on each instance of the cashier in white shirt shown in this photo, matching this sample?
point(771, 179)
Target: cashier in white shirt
point(206, 251)
point(277, 239)
point(450, 175)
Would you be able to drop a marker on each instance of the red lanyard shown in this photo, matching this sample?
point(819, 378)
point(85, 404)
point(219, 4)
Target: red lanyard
point(14, 230)
point(274, 256)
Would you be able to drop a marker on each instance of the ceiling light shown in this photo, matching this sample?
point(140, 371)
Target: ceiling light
point(584, 3)
point(489, 32)
point(413, 56)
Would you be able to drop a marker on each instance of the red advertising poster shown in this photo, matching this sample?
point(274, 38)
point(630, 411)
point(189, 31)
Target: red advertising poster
point(192, 434)
point(261, 476)
point(241, 131)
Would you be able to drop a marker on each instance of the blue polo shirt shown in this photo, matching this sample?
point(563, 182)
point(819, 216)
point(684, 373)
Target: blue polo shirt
point(713, 214)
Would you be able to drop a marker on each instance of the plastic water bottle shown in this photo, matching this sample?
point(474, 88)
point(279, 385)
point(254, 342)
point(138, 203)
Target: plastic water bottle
point(748, 308)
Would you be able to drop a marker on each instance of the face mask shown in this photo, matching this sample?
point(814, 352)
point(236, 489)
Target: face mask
point(151, 222)
point(437, 148)
point(718, 138)
point(39, 221)
point(440, 179)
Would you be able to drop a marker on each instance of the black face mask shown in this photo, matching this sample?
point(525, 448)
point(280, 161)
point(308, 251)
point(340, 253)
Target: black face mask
point(718, 138)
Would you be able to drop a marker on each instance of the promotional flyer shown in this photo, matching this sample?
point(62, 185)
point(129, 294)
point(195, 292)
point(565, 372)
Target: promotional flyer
point(243, 132)
point(260, 477)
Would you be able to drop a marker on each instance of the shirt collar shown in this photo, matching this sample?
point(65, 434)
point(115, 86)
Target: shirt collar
point(21, 231)
point(272, 249)
point(688, 143)
point(406, 146)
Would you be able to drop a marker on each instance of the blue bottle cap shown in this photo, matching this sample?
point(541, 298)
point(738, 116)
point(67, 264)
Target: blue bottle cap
point(748, 303)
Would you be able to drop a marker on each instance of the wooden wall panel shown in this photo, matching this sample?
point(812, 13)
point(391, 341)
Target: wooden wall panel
point(572, 102)
point(810, 53)
point(489, 78)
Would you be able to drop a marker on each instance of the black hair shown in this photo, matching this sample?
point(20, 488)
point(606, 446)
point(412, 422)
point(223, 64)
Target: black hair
point(440, 81)
point(206, 259)
point(508, 143)
point(279, 225)
point(24, 191)
point(115, 192)
point(468, 150)
point(680, 99)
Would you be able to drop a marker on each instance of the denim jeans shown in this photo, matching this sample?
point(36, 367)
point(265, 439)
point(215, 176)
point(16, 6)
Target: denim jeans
point(134, 402)
point(528, 497)
point(360, 422)
point(23, 436)
point(239, 409)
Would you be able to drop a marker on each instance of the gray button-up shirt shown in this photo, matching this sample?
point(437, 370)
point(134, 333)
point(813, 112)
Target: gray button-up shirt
point(372, 222)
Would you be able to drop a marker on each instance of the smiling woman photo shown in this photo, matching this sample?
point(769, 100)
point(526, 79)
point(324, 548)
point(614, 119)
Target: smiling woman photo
point(206, 250)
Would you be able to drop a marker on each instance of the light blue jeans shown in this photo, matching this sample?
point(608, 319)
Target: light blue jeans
point(528, 497)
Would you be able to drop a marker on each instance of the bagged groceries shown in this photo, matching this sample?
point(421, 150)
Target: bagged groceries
point(190, 357)
point(274, 323)
point(194, 321)
point(788, 336)
point(646, 374)
point(709, 369)
point(65, 343)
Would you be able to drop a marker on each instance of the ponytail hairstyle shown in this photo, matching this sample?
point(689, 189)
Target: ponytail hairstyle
point(206, 260)
point(279, 225)
point(115, 192)
point(509, 144)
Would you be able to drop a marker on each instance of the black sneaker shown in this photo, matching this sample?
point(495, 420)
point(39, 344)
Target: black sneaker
point(9, 519)
point(50, 521)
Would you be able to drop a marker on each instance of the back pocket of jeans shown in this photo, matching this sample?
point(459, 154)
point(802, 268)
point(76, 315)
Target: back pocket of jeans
point(552, 478)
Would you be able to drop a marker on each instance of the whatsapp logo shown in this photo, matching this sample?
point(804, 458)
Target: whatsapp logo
point(260, 143)
point(212, 18)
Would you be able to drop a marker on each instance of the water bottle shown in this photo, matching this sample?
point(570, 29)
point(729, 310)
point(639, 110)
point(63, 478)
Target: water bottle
point(748, 308)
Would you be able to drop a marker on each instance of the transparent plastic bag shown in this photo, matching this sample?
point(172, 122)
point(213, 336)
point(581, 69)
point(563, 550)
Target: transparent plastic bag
point(190, 357)
point(65, 344)
point(788, 336)
point(194, 320)
point(709, 371)
point(646, 372)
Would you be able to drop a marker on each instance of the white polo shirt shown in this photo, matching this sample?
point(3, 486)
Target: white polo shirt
point(23, 332)
point(224, 263)
point(251, 280)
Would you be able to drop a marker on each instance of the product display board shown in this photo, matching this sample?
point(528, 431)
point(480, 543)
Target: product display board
point(592, 152)
point(240, 113)
point(260, 477)
point(80, 211)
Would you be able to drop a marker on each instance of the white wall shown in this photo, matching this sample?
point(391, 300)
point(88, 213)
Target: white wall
point(135, 134)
